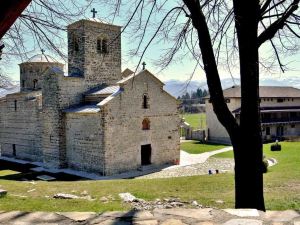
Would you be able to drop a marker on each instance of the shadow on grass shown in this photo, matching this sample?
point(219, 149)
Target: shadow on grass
point(210, 143)
point(23, 172)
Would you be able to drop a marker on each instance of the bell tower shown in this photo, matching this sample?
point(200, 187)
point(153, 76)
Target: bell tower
point(94, 51)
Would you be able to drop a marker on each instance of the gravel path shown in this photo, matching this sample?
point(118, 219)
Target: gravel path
point(195, 164)
point(187, 159)
point(223, 165)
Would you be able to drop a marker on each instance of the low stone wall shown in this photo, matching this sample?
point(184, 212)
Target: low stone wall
point(198, 135)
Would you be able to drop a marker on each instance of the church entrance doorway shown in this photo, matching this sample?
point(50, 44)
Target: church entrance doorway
point(146, 155)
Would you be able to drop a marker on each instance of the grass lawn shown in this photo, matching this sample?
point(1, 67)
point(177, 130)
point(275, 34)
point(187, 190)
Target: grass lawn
point(282, 181)
point(282, 189)
point(196, 147)
point(196, 120)
point(224, 155)
point(200, 188)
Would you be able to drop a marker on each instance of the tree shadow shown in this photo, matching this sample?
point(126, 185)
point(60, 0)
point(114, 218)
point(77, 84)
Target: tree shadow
point(24, 172)
point(115, 218)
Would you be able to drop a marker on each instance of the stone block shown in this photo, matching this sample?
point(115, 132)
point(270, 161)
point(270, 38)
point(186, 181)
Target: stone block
point(201, 214)
point(281, 216)
point(3, 193)
point(78, 216)
point(146, 222)
point(173, 222)
point(243, 212)
point(243, 222)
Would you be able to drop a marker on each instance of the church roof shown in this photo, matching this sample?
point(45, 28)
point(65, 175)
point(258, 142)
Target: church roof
point(126, 73)
point(41, 58)
point(93, 20)
point(83, 109)
point(97, 20)
point(106, 91)
point(132, 76)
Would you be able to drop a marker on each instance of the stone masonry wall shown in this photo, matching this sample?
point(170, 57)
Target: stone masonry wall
point(20, 126)
point(84, 139)
point(30, 72)
point(96, 67)
point(123, 126)
point(59, 93)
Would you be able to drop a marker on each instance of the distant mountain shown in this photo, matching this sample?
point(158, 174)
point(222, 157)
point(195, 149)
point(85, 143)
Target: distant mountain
point(7, 86)
point(5, 82)
point(284, 81)
point(177, 87)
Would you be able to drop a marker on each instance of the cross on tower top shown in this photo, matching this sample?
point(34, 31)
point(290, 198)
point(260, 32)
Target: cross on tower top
point(94, 12)
point(144, 65)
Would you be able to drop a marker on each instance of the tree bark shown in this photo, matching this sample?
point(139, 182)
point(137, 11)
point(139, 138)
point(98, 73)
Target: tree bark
point(248, 153)
point(9, 12)
point(246, 137)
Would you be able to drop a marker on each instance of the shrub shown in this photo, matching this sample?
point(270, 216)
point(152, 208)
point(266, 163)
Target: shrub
point(265, 165)
point(276, 147)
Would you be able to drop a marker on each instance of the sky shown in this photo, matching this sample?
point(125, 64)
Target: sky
point(179, 70)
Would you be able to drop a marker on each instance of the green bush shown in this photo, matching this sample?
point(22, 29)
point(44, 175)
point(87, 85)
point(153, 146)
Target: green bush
point(276, 147)
point(265, 165)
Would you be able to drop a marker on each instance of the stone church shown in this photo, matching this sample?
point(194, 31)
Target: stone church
point(95, 118)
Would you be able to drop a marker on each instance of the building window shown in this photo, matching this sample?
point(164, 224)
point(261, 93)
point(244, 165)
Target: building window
point(102, 45)
point(293, 126)
point(146, 124)
point(34, 84)
point(23, 83)
point(279, 100)
point(145, 101)
point(268, 130)
point(15, 105)
point(99, 45)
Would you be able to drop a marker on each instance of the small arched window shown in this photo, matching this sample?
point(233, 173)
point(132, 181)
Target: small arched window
point(102, 46)
point(16, 106)
point(99, 47)
point(23, 83)
point(145, 101)
point(35, 84)
point(146, 124)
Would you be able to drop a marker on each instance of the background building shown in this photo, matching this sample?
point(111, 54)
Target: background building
point(279, 107)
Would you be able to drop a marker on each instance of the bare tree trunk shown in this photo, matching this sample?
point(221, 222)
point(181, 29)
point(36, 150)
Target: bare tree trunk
point(245, 137)
point(248, 152)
